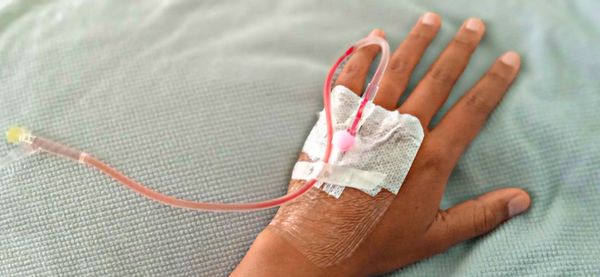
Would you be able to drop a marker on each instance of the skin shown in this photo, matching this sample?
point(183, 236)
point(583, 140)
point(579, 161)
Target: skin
point(414, 227)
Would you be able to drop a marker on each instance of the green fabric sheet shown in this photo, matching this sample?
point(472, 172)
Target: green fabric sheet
point(212, 100)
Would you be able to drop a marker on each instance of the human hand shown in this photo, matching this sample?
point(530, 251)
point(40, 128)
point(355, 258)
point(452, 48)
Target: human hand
point(413, 226)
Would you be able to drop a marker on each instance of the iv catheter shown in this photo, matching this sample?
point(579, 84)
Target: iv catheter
point(340, 141)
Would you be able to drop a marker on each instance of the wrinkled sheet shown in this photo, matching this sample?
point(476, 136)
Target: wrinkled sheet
point(212, 100)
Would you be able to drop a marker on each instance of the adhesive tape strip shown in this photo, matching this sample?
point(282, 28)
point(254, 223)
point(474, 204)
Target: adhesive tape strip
point(337, 175)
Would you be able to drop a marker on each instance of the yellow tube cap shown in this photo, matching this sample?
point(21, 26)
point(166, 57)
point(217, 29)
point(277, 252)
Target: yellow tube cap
point(14, 134)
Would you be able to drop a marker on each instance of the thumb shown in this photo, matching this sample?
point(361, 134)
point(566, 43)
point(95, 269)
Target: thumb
point(477, 216)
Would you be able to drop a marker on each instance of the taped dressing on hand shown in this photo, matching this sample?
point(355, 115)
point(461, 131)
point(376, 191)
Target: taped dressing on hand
point(328, 224)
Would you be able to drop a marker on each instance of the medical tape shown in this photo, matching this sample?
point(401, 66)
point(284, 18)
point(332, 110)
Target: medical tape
point(337, 175)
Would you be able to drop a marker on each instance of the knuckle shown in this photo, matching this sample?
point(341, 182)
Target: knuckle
point(475, 102)
point(442, 76)
point(418, 37)
point(467, 44)
point(354, 69)
point(432, 164)
point(443, 223)
point(484, 219)
point(433, 161)
point(498, 78)
point(442, 216)
point(444, 231)
point(399, 66)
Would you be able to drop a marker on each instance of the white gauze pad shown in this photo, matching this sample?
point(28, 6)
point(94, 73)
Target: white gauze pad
point(386, 143)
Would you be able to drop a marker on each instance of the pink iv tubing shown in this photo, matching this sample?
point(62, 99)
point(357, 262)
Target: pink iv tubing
point(38, 143)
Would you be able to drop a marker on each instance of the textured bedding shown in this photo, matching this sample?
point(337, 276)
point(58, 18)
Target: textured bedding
point(212, 100)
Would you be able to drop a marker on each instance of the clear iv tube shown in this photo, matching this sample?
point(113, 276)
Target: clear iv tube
point(373, 86)
point(45, 145)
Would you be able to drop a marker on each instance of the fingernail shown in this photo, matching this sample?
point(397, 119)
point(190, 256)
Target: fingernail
point(474, 24)
point(518, 204)
point(377, 33)
point(428, 18)
point(510, 58)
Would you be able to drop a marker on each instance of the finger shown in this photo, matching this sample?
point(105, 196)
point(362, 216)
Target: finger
point(431, 92)
point(447, 141)
point(355, 71)
point(405, 59)
point(462, 123)
point(476, 217)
